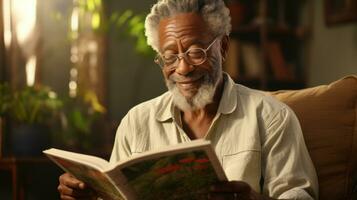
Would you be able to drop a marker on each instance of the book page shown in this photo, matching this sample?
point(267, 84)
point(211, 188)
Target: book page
point(94, 161)
point(182, 174)
point(93, 177)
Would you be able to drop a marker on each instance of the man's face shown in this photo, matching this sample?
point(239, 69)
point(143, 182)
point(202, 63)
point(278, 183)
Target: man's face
point(194, 84)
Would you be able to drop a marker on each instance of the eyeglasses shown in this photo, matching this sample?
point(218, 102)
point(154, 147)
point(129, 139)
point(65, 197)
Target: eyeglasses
point(193, 56)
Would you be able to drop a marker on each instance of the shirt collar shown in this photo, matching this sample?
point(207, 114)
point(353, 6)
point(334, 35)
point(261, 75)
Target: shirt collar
point(228, 102)
point(166, 109)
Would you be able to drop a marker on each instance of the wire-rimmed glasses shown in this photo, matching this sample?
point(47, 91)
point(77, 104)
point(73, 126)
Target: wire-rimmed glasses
point(193, 56)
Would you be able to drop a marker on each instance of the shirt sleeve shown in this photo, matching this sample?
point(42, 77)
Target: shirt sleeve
point(121, 148)
point(287, 167)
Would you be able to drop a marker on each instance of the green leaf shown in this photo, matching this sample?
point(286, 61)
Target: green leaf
point(98, 2)
point(124, 17)
point(91, 5)
point(79, 121)
point(96, 20)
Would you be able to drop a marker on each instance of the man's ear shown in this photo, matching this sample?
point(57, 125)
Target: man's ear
point(224, 46)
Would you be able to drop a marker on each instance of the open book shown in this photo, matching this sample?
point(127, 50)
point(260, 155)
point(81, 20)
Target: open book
point(182, 171)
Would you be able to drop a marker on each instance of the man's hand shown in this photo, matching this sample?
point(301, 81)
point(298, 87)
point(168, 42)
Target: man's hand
point(234, 190)
point(71, 188)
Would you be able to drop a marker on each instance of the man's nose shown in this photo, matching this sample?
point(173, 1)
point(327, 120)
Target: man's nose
point(183, 67)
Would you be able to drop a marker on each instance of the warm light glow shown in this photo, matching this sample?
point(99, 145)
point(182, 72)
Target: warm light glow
point(75, 19)
point(98, 2)
point(31, 71)
point(72, 89)
point(74, 58)
point(72, 85)
point(7, 23)
point(25, 18)
point(91, 5)
point(96, 20)
point(73, 72)
point(52, 95)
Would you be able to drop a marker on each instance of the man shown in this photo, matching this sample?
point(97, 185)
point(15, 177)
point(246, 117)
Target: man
point(257, 139)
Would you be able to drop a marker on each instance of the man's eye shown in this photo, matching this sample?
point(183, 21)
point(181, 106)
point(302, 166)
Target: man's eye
point(196, 53)
point(169, 58)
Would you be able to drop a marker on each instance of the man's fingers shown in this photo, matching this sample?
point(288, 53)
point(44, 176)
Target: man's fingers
point(64, 197)
point(71, 181)
point(78, 193)
point(65, 191)
point(71, 188)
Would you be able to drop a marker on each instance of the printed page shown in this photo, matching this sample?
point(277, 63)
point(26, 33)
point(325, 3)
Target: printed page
point(92, 176)
point(94, 161)
point(182, 174)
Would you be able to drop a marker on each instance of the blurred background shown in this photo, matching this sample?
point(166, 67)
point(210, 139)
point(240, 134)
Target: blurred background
point(70, 70)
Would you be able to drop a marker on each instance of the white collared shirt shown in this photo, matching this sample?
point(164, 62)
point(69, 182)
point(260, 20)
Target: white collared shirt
point(255, 137)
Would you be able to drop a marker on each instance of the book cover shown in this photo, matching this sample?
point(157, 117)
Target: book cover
point(183, 171)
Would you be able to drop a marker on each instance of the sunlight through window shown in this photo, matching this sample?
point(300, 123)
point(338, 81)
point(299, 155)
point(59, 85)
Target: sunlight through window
point(31, 70)
point(25, 17)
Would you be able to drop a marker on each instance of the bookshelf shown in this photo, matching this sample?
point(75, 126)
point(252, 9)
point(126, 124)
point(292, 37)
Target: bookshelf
point(267, 41)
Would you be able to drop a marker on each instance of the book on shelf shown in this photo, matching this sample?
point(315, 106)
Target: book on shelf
point(231, 66)
point(252, 60)
point(280, 68)
point(182, 171)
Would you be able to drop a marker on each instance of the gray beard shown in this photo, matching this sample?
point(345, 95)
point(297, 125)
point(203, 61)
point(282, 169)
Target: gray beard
point(204, 95)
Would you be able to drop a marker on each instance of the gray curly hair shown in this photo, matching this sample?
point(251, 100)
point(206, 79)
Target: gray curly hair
point(214, 12)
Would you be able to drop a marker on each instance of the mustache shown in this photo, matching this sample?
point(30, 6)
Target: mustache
point(196, 74)
point(189, 77)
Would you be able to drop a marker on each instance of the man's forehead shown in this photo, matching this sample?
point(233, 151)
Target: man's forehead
point(185, 26)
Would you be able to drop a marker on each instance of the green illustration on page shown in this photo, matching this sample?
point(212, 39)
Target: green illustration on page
point(186, 175)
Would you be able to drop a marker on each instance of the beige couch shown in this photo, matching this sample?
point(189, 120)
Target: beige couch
point(328, 117)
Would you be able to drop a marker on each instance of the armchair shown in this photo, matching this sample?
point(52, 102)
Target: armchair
point(328, 118)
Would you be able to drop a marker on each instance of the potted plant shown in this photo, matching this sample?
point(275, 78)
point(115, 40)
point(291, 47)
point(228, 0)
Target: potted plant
point(5, 99)
point(79, 118)
point(32, 112)
point(5, 102)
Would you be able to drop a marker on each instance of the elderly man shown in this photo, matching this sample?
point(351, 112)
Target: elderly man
point(257, 139)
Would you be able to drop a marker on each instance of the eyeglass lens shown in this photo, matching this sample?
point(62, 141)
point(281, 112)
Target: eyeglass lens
point(192, 56)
